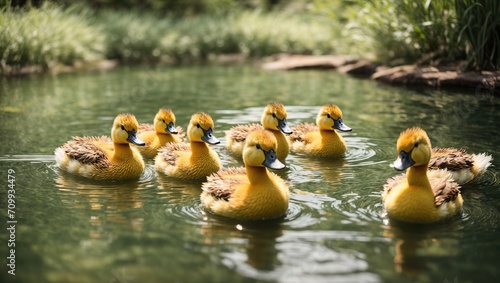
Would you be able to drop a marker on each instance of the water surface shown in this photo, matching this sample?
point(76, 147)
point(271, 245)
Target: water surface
point(155, 230)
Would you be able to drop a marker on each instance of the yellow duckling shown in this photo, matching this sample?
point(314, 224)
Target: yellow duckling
point(321, 140)
point(194, 160)
point(250, 193)
point(273, 119)
point(419, 196)
point(161, 132)
point(464, 167)
point(103, 158)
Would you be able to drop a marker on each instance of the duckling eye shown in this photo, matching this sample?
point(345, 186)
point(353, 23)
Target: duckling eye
point(198, 125)
point(416, 144)
point(274, 115)
point(258, 146)
point(328, 116)
point(163, 120)
point(123, 127)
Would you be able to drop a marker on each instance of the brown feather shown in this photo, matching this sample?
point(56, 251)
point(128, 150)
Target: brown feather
point(84, 150)
point(239, 133)
point(220, 184)
point(444, 189)
point(299, 131)
point(169, 151)
point(451, 159)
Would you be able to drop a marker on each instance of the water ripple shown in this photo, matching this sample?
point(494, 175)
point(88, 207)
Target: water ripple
point(34, 158)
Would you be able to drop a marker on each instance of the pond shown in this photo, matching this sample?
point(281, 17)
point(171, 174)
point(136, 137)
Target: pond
point(155, 230)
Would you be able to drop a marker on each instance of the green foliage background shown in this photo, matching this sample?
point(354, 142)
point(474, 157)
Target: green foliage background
point(393, 32)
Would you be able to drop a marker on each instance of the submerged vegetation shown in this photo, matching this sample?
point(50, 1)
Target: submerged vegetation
point(395, 32)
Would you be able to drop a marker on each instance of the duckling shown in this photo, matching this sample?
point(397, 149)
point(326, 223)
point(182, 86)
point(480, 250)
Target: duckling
point(194, 160)
point(419, 196)
point(250, 193)
point(273, 119)
point(321, 140)
point(161, 132)
point(464, 167)
point(102, 158)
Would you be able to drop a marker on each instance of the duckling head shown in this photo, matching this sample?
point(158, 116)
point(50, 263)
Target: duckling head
point(260, 150)
point(414, 149)
point(200, 129)
point(274, 117)
point(125, 130)
point(165, 122)
point(330, 118)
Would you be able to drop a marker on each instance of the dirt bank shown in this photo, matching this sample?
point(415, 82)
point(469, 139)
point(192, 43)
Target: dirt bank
point(441, 77)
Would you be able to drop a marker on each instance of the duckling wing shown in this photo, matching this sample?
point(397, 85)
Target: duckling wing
point(239, 133)
point(451, 159)
point(89, 150)
point(145, 127)
point(445, 190)
point(172, 151)
point(221, 185)
point(299, 131)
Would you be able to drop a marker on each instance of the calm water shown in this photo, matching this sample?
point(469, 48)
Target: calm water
point(155, 230)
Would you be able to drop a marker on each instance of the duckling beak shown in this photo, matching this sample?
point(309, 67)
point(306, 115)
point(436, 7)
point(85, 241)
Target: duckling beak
point(208, 137)
point(283, 126)
point(171, 128)
point(403, 161)
point(272, 161)
point(339, 125)
point(132, 138)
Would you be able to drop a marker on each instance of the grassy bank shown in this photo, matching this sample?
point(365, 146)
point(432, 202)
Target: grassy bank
point(394, 32)
point(50, 35)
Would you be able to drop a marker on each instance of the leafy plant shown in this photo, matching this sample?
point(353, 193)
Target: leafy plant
point(479, 22)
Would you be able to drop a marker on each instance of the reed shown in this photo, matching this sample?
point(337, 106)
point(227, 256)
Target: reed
point(479, 24)
point(406, 31)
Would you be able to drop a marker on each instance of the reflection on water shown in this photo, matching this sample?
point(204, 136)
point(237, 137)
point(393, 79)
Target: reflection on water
point(415, 243)
point(154, 229)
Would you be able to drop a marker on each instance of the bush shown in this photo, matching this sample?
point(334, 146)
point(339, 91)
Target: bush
point(47, 36)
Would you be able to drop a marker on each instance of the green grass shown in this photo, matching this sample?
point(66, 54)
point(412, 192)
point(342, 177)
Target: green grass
point(395, 31)
point(48, 36)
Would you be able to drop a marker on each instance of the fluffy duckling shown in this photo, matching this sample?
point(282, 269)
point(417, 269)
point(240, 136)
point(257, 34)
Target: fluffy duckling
point(194, 160)
point(273, 119)
point(464, 167)
point(161, 132)
point(419, 196)
point(103, 158)
point(321, 140)
point(250, 193)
